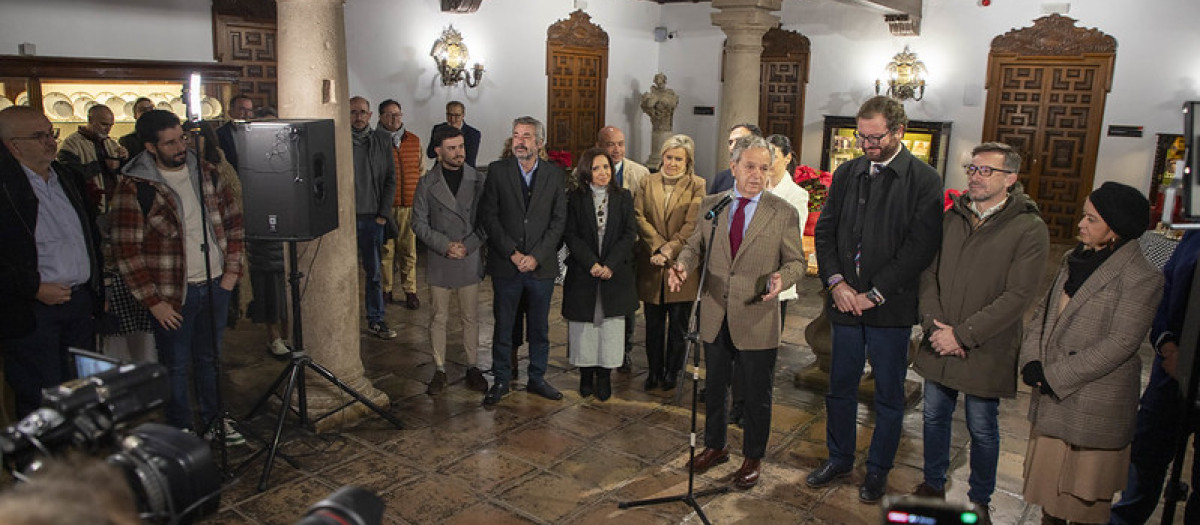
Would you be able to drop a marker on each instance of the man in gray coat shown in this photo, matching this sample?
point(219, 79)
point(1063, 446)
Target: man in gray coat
point(972, 302)
point(444, 207)
point(374, 189)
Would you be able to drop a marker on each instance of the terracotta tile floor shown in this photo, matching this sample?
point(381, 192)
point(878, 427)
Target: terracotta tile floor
point(531, 460)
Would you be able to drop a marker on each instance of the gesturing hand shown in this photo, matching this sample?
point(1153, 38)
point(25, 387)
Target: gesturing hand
point(676, 275)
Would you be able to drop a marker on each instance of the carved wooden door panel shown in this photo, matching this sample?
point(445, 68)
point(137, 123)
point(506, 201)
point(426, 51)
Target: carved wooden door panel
point(784, 78)
point(251, 45)
point(576, 100)
point(577, 71)
point(1050, 109)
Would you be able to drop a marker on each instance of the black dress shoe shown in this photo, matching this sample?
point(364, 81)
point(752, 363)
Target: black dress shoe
point(544, 389)
point(497, 392)
point(873, 488)
point(826, 474)
point(668, 382)
point(586, 376)
point(652, 381)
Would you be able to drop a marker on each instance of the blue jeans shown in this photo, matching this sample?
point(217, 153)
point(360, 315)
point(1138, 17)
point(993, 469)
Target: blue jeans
point(982, 424)
point(887, 347)
point(370, 241)
point(1153, 450)
point(506, 296)
point(190, 347)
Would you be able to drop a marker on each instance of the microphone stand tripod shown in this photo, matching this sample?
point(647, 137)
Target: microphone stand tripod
point(693, 339)
point(294, 374)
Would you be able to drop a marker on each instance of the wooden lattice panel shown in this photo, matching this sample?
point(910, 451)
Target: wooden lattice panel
point(783, 79)
point(1047, 85)
point(251, 45)
point(576, 70)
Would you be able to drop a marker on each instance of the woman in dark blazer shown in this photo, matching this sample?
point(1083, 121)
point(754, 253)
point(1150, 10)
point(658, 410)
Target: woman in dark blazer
point(599, 289)
point(1080, 355)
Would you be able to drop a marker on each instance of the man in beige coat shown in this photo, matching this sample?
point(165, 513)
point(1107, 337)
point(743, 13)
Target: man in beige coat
point(755, 255)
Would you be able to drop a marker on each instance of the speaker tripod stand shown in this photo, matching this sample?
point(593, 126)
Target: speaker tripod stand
point(294, 374)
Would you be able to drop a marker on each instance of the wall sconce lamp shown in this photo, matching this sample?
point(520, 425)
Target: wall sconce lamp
point(451, 56)
point(906, 77)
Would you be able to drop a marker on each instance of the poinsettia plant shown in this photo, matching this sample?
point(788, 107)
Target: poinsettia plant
point(560, 157)
point(816, 183)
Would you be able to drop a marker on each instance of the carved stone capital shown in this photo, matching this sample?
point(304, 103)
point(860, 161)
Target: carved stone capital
point(1054, 35)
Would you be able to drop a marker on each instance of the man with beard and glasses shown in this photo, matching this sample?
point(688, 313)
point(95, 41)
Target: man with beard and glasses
point(524, 213)
point(374, 189)
point(444, 210)
point(881, 227)
point(985, 276)
point(165, 251)
point(405, 149)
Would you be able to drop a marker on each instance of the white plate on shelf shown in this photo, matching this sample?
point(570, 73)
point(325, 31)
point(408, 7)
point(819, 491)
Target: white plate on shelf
point(82, 105)
point(5, 102)
point(178, 107)
point(210, 108)
point(80, 94)
point(130, 96)
point(117, 105)
point(58, 106)
point(23, 98)
point(160, 98)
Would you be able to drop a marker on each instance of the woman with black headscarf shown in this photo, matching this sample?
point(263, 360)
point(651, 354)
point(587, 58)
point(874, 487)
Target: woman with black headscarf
point(1080, 357)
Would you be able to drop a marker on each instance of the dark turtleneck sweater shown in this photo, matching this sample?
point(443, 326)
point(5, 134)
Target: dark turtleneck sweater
point(453, 178)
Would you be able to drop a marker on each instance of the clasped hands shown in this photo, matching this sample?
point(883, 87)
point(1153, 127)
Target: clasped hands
point(847, 301)
point(601, 272)
point(943, 341)
point(457, 250)
point(523, 262)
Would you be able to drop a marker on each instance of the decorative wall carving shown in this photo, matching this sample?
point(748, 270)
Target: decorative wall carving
point(460, 6)
point(1054, 35)
point(577, 31)
point(784, 78)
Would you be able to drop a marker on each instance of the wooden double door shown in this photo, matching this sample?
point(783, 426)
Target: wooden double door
point(1047, 86)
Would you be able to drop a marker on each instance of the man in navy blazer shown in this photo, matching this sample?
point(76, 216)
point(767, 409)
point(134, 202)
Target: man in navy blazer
point(456, 114)
point(524, 212)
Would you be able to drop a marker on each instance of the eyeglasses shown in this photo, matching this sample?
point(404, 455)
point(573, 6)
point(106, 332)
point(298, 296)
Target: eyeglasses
point(459, 115)
point(983, 171)
point(41, 135)
point(868, 139)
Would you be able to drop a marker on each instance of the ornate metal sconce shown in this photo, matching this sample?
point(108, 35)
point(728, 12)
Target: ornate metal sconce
point(906, 77)
point(451, 56)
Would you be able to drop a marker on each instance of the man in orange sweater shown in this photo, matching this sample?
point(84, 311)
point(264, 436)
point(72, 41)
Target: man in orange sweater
point(406, 153)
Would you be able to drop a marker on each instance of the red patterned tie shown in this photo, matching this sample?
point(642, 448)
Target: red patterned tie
point(737, 226)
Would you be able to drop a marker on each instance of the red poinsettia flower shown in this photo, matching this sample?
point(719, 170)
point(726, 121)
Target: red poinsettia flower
point(951, 196)
point(560, 157)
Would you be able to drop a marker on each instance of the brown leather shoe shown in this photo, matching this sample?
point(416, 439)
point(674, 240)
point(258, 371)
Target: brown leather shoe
point(711, 456)
point(924, 490)
point(747, 476)
point(411, 301)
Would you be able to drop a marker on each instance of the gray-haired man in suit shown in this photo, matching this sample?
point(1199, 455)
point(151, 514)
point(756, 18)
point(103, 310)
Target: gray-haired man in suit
point(444, 209)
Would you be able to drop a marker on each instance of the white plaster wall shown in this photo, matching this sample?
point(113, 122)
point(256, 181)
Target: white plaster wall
point(178, 30)
point(1155, 69)
point(388, 46)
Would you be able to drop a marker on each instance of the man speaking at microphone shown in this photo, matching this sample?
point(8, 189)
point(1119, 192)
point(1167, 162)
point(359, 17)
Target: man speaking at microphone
point(755, 255)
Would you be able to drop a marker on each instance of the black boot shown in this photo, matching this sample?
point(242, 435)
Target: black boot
point(653, 379)
point(668, 382)
point(603, 383)
point(586, 374)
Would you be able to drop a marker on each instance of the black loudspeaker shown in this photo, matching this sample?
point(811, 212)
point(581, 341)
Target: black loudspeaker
point(288, 170)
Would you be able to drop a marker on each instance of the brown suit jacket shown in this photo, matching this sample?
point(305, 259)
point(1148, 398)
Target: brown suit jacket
point(1089, 351)
point(659, 225)
point(734, 288)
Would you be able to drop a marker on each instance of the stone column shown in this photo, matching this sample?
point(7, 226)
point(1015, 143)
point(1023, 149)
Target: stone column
point(744, 23)
point(312, 85)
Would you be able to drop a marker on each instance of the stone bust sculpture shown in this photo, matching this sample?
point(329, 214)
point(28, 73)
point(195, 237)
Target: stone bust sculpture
point(659, 104)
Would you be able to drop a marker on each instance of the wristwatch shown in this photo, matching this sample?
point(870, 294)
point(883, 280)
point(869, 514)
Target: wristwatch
point(874, 296)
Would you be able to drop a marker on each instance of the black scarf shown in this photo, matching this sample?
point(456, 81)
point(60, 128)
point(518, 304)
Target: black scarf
point(360, 136)
point(1082, 262)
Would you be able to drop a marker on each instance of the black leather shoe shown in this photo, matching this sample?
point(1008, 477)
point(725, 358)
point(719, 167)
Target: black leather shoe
point(603, 384)
point(544, 389)
point(498, 391)
point(652, 381)
point(873, 488)
point(826, 474)
point(668, 382)
point(586, 381)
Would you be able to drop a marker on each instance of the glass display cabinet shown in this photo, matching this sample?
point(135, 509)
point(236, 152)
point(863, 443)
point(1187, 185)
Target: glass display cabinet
point(927, 140)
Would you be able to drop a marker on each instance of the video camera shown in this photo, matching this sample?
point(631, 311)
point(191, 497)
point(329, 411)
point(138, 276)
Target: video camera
point(927, 511)
point(171, 472)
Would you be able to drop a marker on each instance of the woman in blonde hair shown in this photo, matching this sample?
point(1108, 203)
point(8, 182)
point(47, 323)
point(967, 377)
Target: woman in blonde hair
point(666, 207)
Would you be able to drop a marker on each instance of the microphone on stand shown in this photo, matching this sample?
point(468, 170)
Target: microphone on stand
point(720, 206)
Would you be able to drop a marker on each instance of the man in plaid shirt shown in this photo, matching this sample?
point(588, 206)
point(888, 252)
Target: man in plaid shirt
point(159, 242)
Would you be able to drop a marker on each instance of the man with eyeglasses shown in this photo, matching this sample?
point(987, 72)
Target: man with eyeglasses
point(723, 180)
point(374, 190)
point(51, 286)
point(988, 271)
point(406, 155)
point(456, 114)
point(881, 226)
